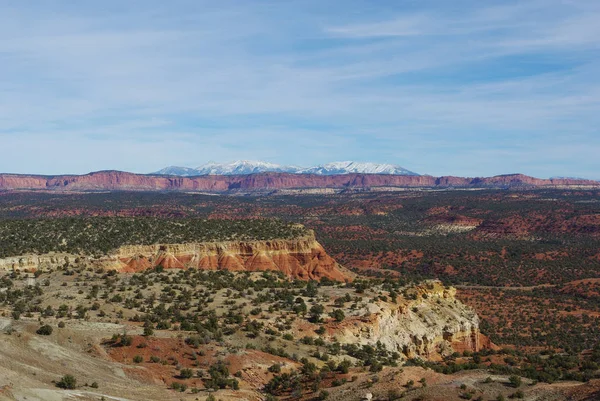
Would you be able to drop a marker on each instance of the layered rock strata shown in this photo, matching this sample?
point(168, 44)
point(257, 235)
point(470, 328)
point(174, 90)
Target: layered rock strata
point(302, 258)
point(123, 181)
point(431, 325)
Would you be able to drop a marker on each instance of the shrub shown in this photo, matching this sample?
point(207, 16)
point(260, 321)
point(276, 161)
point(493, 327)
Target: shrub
point(179, 386)
point(44, 330)
point(275, 368)
point(219, 377)
point(125, 340)
point(344, 366)
point(338, 315)
point(515, 381)
point(315, 313)
point(67, 382)
point(307, 340)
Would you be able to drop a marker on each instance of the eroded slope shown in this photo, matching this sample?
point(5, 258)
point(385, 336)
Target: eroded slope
point(136, 244)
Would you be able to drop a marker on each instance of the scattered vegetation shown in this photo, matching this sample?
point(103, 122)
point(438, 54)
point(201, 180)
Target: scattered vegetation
point(504, 241)
point(101, 235)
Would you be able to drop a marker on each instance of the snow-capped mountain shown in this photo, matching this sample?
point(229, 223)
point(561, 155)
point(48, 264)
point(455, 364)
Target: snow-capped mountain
point(348, 167)
point(174, 170)
point(243, 167)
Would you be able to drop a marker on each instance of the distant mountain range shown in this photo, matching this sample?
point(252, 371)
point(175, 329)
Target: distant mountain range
point(244, 167)
point(273, 182)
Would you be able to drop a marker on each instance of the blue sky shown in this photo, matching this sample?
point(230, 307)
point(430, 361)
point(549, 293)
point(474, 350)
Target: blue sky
point(440, 87)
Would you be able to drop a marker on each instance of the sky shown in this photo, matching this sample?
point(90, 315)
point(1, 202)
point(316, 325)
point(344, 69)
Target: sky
point(468, 88)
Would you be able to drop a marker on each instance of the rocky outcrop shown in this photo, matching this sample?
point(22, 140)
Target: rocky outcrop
point(302, 258)
point(431, 325)
point(37, 262)
point(123, 181)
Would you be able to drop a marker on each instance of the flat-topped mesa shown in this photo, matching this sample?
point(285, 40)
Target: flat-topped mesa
point(300, 258)
point(428, 323)
point(123, 181)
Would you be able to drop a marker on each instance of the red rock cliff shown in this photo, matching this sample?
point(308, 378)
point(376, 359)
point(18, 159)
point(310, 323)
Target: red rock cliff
point(122, 181)
point(303, 258)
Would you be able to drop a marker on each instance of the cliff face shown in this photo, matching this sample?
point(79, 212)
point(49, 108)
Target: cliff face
point(432, 325)
point(117, 180)
point(36, 262)
point(303, 258)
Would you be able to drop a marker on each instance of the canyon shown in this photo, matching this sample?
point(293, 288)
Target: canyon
point(270, 182)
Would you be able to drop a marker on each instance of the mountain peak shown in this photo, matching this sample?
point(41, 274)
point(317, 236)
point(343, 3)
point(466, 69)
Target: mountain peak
point(240, 167)
point(347, 167)
point(244, 167)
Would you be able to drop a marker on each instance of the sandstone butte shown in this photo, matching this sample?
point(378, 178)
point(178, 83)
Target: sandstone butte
point(302, 258)
point(123, 181)
point(431, 325)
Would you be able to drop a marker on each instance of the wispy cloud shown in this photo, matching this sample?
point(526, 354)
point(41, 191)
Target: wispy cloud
point(202, 80)
point(402, 26)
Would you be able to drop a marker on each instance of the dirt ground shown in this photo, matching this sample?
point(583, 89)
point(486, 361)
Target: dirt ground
point(30, 365)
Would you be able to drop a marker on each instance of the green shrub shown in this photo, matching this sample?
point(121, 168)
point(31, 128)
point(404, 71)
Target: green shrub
point(67, 382)
point(44, 330)
point(515, 381)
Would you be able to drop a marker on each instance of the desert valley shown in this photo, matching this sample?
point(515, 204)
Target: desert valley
point(391, 292)
point(305, 200)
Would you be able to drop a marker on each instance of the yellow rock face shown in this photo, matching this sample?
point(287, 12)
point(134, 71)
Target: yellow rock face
point(428, 323)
